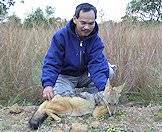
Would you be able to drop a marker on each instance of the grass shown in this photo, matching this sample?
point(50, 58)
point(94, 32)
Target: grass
point(134, 48)
point(115, 129)
point(158, 115)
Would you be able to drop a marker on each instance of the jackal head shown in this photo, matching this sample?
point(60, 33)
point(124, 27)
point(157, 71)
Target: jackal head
point(111, 97)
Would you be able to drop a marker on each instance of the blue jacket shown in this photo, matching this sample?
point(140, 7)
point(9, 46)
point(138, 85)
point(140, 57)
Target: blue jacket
point(68, 55)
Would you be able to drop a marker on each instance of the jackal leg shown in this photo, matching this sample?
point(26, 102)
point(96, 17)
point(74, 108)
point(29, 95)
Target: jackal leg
point(50, 113)
point(100, 111)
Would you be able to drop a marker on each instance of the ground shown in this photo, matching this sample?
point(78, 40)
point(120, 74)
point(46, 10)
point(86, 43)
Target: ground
point(128, 118)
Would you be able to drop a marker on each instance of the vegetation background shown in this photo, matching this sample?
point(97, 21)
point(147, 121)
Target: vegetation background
point(134, 45)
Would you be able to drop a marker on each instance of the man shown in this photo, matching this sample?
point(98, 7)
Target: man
point(75, 58)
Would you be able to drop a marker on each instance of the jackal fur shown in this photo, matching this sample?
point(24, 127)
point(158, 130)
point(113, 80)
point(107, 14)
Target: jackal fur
point(76, 106)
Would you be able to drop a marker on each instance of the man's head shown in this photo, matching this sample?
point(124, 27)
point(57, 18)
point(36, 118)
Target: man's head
point(84, 18)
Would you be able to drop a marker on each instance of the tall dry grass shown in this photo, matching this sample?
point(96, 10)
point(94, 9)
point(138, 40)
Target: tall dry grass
point(135, 49)
point(21, 54)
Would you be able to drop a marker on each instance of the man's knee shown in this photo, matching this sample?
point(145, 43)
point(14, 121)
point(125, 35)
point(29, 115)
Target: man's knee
point(64, 87)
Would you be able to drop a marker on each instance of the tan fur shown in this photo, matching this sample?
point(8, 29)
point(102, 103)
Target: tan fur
point(73, 106)
point(100, 111)
point(76, 106)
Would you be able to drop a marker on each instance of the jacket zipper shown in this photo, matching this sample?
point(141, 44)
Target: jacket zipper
point(81, 45)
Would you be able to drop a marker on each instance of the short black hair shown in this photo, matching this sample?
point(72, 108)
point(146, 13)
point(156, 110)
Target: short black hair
point(85, 7)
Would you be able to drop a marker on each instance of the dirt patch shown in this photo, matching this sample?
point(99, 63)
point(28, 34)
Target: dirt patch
point(129, 119)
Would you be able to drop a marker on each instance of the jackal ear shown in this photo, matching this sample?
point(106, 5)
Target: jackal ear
point(108, 87)
point(107, 84)
point(119, 88)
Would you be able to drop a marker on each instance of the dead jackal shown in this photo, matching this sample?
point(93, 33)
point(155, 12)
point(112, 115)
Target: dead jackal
point(76, 106)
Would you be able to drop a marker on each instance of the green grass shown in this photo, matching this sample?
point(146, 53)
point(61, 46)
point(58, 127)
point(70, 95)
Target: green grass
point(158, 115)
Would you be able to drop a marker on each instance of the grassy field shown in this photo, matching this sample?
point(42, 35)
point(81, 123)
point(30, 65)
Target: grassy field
point(134, 48)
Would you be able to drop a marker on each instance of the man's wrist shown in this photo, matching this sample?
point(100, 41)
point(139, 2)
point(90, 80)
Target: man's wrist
point(48, 87)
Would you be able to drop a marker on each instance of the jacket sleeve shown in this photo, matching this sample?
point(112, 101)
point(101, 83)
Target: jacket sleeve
point(52, 62)
point(98, 65)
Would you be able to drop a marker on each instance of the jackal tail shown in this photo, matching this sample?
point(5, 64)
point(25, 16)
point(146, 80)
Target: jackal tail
point(38, 118)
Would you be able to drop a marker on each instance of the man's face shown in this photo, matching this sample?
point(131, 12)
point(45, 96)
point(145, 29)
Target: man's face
point(85, 23)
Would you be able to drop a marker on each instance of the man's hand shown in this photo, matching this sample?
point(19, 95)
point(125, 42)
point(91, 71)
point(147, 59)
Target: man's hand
point(48, 92)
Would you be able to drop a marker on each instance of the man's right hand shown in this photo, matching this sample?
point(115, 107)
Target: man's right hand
point(48, 92)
